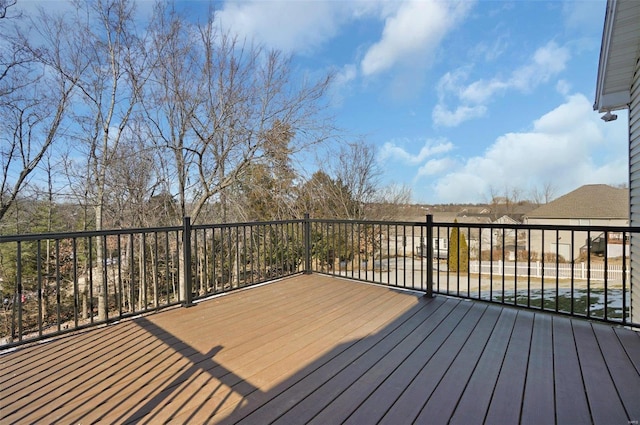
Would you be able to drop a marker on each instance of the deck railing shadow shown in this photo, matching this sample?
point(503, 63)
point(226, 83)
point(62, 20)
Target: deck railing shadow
point(399, 357)
point(37, 375)
point(198, 363)
point(306, 392)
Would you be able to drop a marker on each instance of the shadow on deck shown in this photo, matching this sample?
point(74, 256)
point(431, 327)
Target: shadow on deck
point(315, 349)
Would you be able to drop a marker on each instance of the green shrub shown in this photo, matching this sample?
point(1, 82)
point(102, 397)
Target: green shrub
point(458, 252)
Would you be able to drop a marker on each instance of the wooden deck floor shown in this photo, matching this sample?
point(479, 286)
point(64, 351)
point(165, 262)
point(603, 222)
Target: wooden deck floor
point(315, 349)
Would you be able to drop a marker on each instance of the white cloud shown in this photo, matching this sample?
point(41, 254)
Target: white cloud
point(342, 83)
point(489, 52)
point(412, 33)
point(547, 62)
point(391, 151)
point(285, 25)
point(442, 116)
point(584, 16)
point(564, 145)
point(452, 81)
point(412, 30)
point(563, 87)
point(346, 75)
point(436, 167)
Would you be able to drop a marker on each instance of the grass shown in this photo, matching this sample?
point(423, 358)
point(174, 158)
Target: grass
point(583, 303)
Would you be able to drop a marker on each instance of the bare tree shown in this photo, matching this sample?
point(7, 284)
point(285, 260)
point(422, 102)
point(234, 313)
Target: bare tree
point(348, 185)
point(544, 194)
point(130, 182)
point(388, 200)
point(106, 59)
point(110, 86)
point(266, 189)
point(4, 7)
point(169, 98)
point(356, 168)
point(34, 102)
point(505, 201)
point(217, 105)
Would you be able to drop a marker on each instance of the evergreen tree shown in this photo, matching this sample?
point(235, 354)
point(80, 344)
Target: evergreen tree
point(458, 252)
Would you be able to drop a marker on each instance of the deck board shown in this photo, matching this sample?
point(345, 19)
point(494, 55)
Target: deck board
point(629, 341)
point(443, 401)
point(444, 341)
point(618, 364)
point(271, 409)
point(327, 350)
point(308, 408)
point(506, 401)
point(473, 405)
point(597, 381)
point(401, 361)
point(572, 406)
point(538, 404)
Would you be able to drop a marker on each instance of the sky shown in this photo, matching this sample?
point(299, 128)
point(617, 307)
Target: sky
point(462, 99)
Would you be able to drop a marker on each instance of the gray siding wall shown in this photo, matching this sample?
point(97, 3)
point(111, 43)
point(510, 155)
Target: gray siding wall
point(634, 194)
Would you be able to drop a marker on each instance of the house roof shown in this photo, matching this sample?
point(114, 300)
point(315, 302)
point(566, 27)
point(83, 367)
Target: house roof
point(619, 53)
point(505, 219)
point(589, 201)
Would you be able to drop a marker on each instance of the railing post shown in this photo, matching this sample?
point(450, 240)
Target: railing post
point(307, 244)
point(429, 292)
point(186, 258)
point(17, 299)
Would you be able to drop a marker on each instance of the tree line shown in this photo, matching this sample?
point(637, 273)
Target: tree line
point(124, 119)
point(113, 118)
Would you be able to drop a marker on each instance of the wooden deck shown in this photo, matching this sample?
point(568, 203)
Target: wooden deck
point(314, 349)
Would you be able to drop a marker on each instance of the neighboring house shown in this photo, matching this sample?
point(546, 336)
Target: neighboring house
point(618, 87)
point(511, 240)
point(477, 239)
point(440, 247)
point(589, 205)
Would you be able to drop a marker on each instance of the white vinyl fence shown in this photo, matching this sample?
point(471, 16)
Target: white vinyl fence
point(580, 271)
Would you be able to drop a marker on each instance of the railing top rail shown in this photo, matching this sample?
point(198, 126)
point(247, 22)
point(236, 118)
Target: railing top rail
point(246, 224)
point(369, 222)
point(85, 234)
point(520, 226)
point(567, 227)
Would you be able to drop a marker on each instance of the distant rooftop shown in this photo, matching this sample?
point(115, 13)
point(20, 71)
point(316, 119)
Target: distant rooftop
point(589, 201)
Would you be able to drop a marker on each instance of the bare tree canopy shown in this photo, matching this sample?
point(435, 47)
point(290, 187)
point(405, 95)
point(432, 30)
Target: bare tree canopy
point(544, 194)
point(4, 7)
point(126, 109)
point(34, 103)
point(349, 185)
point(219, 104)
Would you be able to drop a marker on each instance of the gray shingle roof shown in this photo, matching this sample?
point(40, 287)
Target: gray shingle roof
point(589, 201)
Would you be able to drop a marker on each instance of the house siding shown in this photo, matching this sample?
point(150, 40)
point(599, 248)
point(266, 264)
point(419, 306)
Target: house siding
point(634, 192)
point(567, 250)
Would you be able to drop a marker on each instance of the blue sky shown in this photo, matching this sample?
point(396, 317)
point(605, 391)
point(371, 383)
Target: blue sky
point(461, 98)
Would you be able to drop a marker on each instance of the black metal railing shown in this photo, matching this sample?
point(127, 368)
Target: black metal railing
point(574, 270)
point(380, 252)
point(55, 283)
